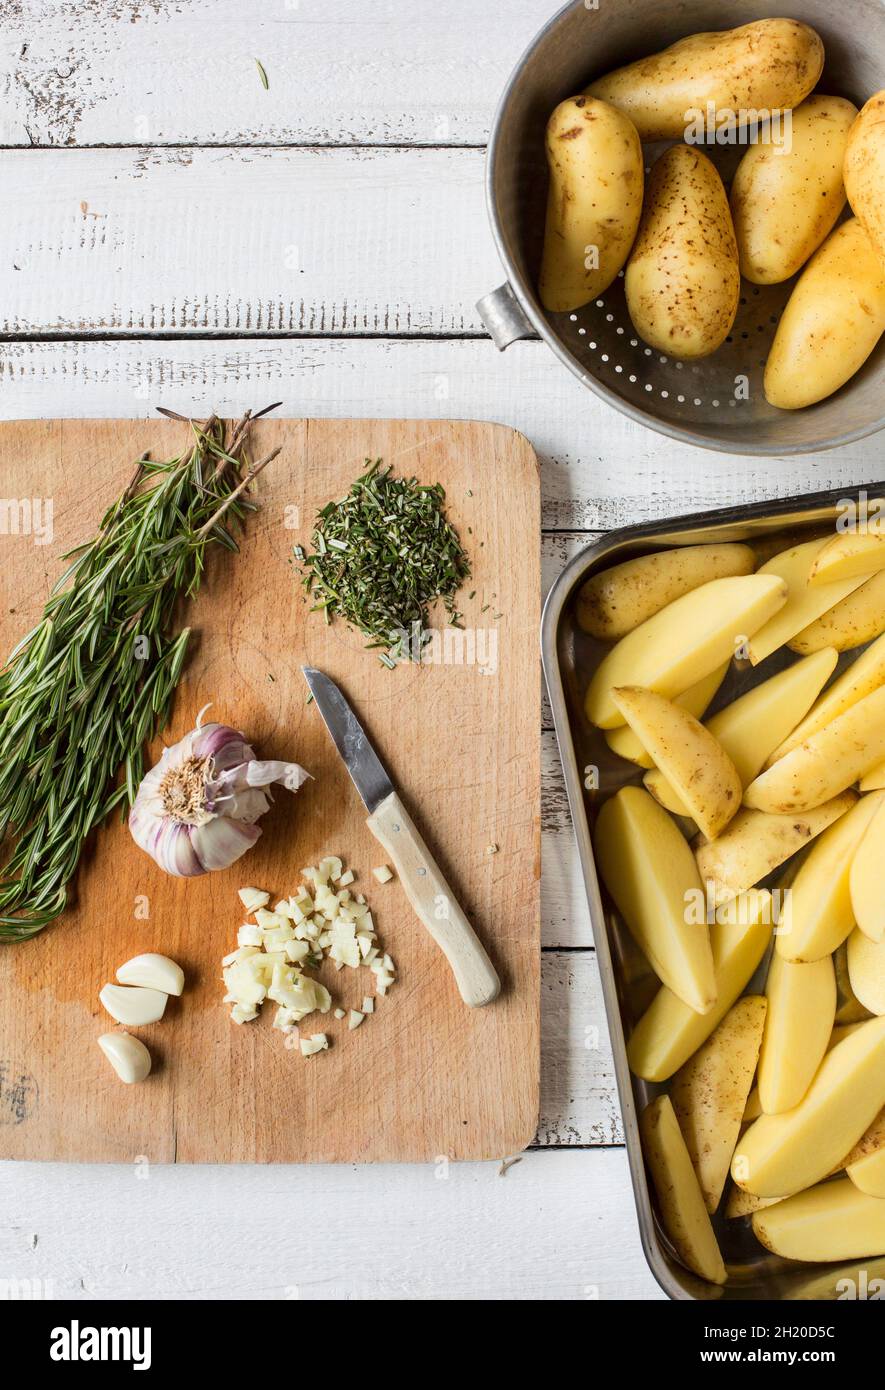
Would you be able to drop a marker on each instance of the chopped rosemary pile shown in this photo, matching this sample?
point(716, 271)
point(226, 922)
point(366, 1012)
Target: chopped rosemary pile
point(381, 556)
point(94, 680)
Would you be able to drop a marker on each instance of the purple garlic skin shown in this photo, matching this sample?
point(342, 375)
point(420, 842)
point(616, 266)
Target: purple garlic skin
point(198, 807)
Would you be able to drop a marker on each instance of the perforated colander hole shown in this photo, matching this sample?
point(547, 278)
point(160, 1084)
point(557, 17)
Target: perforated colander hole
point(715, 403)
point(582, 331)
point(609, 318)
point(698, 401)
point(573, 318)
point(600, 303)
point(647, 351)
point(681, 400)
point(679, 366)
point(632, 378)
point(665, 394)
point(663, 359)
point(634, 342)
point(619, 369)
point(605, 357)
point(648, 386)
point(620, 330)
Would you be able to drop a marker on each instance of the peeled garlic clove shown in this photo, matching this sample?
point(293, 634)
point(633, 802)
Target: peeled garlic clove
point(152, 972)
point(127, 1055)
point(133, 1006)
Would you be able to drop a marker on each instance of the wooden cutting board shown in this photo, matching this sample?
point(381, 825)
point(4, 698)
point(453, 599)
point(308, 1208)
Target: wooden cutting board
point(424, 1077)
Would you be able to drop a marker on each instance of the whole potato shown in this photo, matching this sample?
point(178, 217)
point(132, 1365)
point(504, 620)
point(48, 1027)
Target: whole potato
point(594, 202)
point(786, 198)
point(865, 170)
point(833, 320)
point(683, 282)
point(770, 65)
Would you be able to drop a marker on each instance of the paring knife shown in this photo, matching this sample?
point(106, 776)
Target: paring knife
point(391, 824)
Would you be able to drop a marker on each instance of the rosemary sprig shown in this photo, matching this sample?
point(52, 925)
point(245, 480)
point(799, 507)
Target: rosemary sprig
point(382, 555)
point(94, 681)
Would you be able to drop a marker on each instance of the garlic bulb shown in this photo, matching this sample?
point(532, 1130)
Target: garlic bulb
point(197, 809)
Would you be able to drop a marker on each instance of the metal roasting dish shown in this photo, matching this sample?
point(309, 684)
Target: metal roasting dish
point(570, 658)
point(694, 402)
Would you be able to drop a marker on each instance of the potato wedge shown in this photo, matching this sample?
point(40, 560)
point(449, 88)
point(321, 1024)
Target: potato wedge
point(817, 915)
point(858, 619)
point(681, 1205)
point(663, 791)
point(872, 1142)
point(615, 601)
point(874, 780)
point(850, 1012)
point(804, 603)
point(834, 318)
point(842, 1030)
point(798, 1028)
point(748, 727)
point(745, 1203)
point(865, 887)
point(787, 197)
point(624, 742)
point(685, 641)
point(868, 1173)
point(669, 1031)
point(594, 201)
point(783, 1154)
point(682, 280)
point(649, 870)
point(826, 763)
point(833, 1221)
point(710, 1091)
point(866, 970)
point(848, 554)
point(755, 843)
point(769, 65)
point(864, 170)
point(861, 678)
point(704, 777)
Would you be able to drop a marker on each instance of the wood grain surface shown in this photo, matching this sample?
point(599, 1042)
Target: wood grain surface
point(424, 1076)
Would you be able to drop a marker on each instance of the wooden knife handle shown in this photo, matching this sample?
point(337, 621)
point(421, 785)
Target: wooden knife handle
point(434, 902)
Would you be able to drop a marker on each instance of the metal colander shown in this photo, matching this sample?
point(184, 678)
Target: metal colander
point(703, 402)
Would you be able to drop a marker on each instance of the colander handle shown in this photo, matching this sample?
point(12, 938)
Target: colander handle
point(504, 317)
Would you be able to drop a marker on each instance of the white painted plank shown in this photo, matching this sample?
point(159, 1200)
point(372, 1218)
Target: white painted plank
point(565, 916)
point(579, 1103)
point(598, 469)
point(253, 241)
point(138, 71)
point(557, 1226)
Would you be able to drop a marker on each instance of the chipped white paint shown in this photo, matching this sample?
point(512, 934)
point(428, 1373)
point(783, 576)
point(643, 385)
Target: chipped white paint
point(244, 241)
point(133, 72)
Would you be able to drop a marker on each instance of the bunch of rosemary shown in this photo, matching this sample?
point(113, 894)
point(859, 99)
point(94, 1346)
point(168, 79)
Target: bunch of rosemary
point(94, 680)
point(382, 555)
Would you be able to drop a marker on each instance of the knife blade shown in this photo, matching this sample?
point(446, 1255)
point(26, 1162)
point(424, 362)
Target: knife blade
point(350, 738)
point(426, 888)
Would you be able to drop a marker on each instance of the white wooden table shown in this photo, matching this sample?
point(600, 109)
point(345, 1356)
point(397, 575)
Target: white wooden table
point(171, 232)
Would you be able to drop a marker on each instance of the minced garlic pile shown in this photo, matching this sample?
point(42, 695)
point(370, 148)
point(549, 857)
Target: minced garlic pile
point(322, 921)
